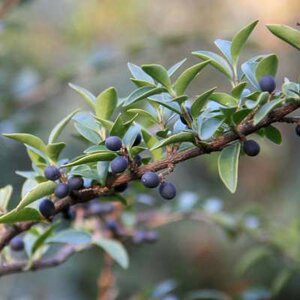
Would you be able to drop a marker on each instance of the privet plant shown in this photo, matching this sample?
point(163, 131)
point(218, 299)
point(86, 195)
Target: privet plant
point(141, 138)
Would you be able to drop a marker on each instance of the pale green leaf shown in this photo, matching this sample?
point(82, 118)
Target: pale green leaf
point(23, 215)
point(87, 96)
point(265, 110)
point(5, 195)
point(200, 102)
point(267, 66)
point(158, 73)
point(71, 237)
point(94, 157)
point(106, 102)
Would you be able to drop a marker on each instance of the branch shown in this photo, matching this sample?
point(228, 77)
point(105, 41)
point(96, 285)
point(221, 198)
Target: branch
point(245, 128)
point(60, 257)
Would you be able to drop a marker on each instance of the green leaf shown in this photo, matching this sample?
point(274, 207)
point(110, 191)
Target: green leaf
point(115, 249)
point(28, 139)
point(54, 150)
point(208, 127)
point(158, 73)
point(187, 76)
point(151, 140)
point(88, 133)
point(291, 90)
point(261, 99)
point(267, 66)
point(40, 241)
point(238, 90)
point(240, 39)
point(224, 99)
point(286, 33)
point(102, 169)
point(139, 74)
point(119, 127)
point(248, 69)
point(57, 130)
point(281, 280)
point(105, 123)
point(106, 103)
point(142, 93)
point(265, 110)
point(228, 166)
point(5, 195)
point(131, 135)
point(273, 134)
point(200, 102)
point(89, 98)
point(225, 48)
point(41, 190)
point(141, 83)
point(144, 114)
point(23, 215)
point(175, 67)
point(176, 138)
point(70, 236)
point(171, 105)
point(251, 258)
point(216, 61)
point(100, 156)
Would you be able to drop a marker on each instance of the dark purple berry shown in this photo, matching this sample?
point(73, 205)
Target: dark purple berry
point(137, 140)
point(150, 180)
point(119, 164)
point(52, 173)
point(113, 143)
point(167, 190)
point(151, 236)
point(68, 213)
point(47, 208)
point(114, 227)
point(251, 148)
point(121, 188)
point(16, 244)
point(297, 129)
point(267, 84)
point(75, 183)
point(62, 190)
point(182, 118)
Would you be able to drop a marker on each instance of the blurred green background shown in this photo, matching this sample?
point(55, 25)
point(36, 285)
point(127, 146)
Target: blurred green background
point(46, 44)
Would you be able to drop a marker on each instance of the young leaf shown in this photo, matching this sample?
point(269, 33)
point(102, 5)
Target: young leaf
point(228, 166)
point(28, 139)
point(238, 90)
point(158, 73)
point(225, 48)
point(54, 150)
point(176, 138)
point(224, 99)
point(216, 61)
point(265, 109)
point(139, 74)
point(151, 140)
point(5, 195)
point(57, 130)
point(106, 103)
point(175, 67)
point(187, 76)
point(240, 39)
point(286, 33)
point(200, 102)
point(101, 156)
point(144, 114)
point(267, 66)
point(115, 250)
point(70, 236)
point(23, 215)
point(87, 96)
point(41, 190)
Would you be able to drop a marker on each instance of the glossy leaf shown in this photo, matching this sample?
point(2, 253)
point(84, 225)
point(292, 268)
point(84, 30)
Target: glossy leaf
point(158, 73)
point(240, 39)
point(208, 127)
point(54, 150)
point(139, 74)
point(224, 99)
point(144, 114)
point(187, 76)
point(88, 133)
point(174, 68)
point(267, 66)
point(265, 110)
point(228, 166)
point(286, 33)
point(106, 102)
point(25, 214)
point(94, 157)
point(200, 102)
point(273, 134)
point(225, 48)
point(115, 249)
point(151, 140)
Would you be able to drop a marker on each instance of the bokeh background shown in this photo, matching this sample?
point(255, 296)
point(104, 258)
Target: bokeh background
point(44, 44)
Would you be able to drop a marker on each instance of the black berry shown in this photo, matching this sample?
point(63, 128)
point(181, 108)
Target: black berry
point(113, 143)
point(138, 140)
point(121, 188)
point(151, 236)
point(68, 213)
point(47, 208)
point(16, 244)
point(150, 180)
point(52, 173)
point(138, 160)
point(62, 190)
point(75, 183)
point(267, 84)
point(167, 190)
point(251, 147)
point(119, 164)
point(182, 118)
point(297, 129)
